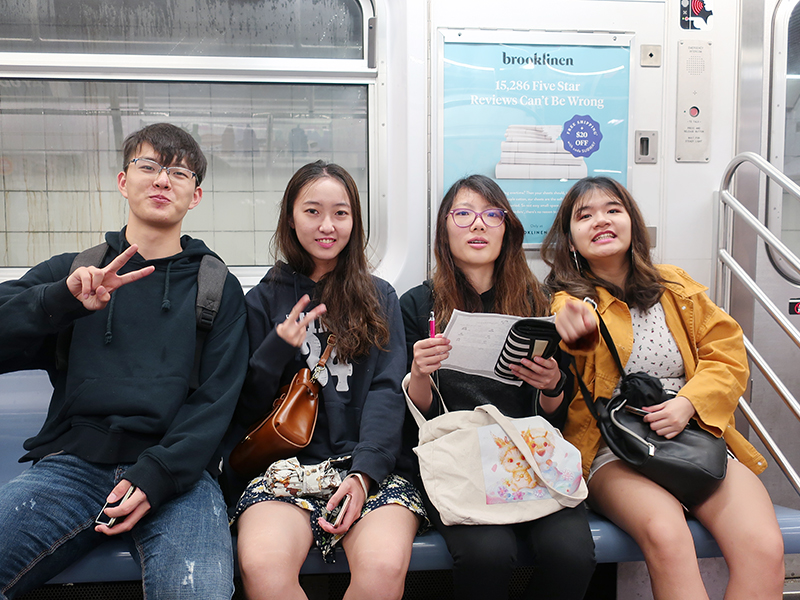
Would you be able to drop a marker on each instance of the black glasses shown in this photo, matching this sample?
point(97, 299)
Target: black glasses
point(465, 217)
point(152, 169)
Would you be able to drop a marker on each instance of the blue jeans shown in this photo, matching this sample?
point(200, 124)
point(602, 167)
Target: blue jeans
point(47, 522)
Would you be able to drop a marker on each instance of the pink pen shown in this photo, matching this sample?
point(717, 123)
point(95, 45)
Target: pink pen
point(432, 325)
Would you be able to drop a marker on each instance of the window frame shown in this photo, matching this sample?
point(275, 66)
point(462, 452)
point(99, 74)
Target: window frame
point(213, 69)
point(777, 59)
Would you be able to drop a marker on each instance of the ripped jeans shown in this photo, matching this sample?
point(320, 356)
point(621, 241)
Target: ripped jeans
point(47, 522)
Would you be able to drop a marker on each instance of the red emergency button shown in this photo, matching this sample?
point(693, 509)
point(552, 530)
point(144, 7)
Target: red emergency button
point(694, 111)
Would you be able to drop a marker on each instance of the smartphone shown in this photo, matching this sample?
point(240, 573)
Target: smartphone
point(104, 519)
point(636, 411)
point(342, 509)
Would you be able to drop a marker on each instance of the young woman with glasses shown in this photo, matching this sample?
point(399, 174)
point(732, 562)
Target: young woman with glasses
point(323, 286)
point(481, 267)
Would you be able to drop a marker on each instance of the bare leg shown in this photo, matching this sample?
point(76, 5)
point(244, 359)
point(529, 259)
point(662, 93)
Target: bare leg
point(274, 539)
point(742, 520)
point(378, 549)
point(656, 520)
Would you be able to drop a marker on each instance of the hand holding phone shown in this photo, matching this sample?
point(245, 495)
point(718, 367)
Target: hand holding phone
point(342, 510)
point(636, 411)
point(103, 519)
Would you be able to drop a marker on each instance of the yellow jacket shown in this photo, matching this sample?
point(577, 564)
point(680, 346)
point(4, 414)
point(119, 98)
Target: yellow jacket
point(714, 358)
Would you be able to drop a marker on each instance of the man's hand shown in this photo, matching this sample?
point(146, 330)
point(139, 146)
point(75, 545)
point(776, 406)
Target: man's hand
point(93, 286)
point(128, 513)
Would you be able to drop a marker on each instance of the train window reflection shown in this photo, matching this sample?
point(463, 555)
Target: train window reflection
point(259, 28)
point(60, 157)
point(248, 78)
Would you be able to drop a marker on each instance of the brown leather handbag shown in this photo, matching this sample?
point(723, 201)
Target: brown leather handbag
point(288, 428)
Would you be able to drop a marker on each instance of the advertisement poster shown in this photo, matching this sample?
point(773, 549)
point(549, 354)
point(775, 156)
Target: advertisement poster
point(535, 118)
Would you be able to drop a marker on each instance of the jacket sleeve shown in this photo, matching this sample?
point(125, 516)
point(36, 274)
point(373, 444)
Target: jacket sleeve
point(269, 356)
point(722, 369)
point(380, 431)
point(33, 310)
point(191, 441)
point(585, 345)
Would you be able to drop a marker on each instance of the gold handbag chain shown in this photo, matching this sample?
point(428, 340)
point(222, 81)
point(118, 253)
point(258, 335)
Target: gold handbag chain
point(324, 358)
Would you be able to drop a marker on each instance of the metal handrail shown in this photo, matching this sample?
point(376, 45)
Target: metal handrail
point(727, 265)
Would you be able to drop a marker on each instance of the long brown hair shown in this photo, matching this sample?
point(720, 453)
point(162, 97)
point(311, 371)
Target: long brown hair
point(354, 312)
point(570, 272)
point(517, 291)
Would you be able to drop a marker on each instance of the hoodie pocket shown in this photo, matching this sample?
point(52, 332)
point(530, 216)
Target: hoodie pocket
point(136, 404)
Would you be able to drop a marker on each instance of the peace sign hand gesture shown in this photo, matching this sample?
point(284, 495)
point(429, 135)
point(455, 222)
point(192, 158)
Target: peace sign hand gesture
point(93, 285)
point(293, 329)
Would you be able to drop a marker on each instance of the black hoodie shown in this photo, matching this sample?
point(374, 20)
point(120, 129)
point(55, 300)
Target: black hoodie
point(124, 395)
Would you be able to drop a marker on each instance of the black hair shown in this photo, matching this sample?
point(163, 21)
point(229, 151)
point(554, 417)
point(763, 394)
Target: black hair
point(172, 144)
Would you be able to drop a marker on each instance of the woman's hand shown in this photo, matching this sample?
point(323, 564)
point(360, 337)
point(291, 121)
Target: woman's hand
point(429, 354)
point(352, 486)
point(541, 373)
point(575, 321)
point(293, 329)
point(544, 374)
point(669, 418)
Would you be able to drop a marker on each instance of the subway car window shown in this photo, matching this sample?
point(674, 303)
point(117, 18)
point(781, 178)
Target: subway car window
point(274, 28)
point(60, 136)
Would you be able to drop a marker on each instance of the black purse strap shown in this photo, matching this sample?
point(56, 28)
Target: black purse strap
point(612, 347)
point(587, 396)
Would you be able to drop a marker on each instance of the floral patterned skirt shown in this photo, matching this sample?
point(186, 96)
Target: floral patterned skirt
point(392, 490)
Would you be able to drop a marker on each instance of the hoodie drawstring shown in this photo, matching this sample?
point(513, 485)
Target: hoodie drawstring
point(165, 306)
point(165, 303)
point(108, 337)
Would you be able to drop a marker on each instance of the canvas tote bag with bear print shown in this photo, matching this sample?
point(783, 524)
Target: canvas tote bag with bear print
point(481, 468)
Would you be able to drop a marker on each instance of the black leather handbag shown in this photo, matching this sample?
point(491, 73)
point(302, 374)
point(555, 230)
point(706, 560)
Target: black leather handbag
point(690, 466)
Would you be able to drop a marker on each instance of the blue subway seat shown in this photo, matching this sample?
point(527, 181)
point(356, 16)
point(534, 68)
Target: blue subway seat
point(23, 403)
point(113, 562)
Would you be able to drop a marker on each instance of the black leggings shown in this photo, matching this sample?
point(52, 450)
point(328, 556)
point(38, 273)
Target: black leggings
point(484, 555)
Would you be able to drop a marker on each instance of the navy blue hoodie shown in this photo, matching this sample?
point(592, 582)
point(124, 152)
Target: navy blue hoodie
point(124, 395)
point(362, 405)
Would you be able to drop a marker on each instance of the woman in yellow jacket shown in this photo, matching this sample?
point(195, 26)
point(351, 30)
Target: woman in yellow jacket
point(662, 323)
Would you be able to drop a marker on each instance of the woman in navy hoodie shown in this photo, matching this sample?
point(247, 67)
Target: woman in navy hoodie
point(321, 287)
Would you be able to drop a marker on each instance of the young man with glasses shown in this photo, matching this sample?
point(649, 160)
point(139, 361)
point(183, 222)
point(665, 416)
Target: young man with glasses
point(126, 419)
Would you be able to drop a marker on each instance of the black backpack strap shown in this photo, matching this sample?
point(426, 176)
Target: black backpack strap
point(92, 257)
point(210, 283)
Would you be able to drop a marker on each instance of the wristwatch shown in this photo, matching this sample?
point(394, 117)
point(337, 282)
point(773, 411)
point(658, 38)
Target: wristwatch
point(559, 387)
